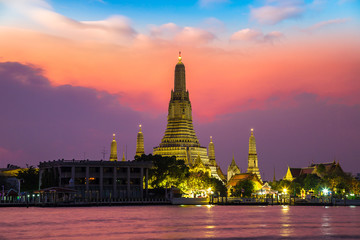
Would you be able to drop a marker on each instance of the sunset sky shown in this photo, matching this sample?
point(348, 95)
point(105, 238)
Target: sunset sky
point(72, 73)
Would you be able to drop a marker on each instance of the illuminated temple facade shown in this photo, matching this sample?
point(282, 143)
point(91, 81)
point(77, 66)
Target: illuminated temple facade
point(180, 139)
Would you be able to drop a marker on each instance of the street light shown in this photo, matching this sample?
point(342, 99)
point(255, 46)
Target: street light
point(285, 191)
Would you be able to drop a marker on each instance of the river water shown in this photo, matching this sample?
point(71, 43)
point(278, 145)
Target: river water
point(181, 222)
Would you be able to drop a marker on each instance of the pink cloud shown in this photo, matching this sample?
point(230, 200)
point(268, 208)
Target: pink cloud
point(43, 18)
point(274, 14)
point(246, 34)
point(323, 24)
point(256, 36)
point(221, 80)
point(167, 30)
point(181, 35)
point(10, 156)
point(190, 35)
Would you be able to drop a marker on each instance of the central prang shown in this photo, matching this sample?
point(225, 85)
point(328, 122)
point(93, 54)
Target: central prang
point(180, 139)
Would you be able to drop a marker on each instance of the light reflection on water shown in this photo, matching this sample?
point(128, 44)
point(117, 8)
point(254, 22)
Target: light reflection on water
point(180, 222)
point(285, 222)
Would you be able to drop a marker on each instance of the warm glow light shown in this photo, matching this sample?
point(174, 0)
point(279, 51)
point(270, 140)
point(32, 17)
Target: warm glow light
point(325, 191)
point(285, 190)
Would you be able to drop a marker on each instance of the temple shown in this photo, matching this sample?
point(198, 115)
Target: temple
point(140, 143)
point(253, 166)
point(113, 150)
point(319, 169)
point(180, 139)
point(233, 169)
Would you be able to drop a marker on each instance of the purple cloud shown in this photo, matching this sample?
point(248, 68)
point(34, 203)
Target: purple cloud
point(41, 122)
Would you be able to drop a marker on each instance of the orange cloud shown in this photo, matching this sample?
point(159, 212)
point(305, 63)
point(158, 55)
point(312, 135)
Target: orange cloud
point(139, 67)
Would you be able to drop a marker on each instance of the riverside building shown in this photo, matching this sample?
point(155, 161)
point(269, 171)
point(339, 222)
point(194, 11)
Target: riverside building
point(96, 180)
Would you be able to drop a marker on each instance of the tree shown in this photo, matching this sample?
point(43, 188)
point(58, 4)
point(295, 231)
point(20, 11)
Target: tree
point(321, 169)
point(49, 179)
point(219, 187)
point(243, 189)
point(166, 171)
point(311, 181)
point(29, 178)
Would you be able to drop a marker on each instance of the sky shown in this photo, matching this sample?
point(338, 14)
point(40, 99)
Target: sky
point(72, 73)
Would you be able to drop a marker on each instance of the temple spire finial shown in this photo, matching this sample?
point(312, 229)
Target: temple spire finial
point(179, 57)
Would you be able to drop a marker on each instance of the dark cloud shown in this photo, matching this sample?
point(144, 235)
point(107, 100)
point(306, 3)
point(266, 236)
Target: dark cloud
point(40, 122)
point(308, 129)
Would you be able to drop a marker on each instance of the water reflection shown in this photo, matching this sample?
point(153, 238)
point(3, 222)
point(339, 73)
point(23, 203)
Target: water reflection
point(325, 224)
point(286, 229)
point(210, 221)
point(181, 222)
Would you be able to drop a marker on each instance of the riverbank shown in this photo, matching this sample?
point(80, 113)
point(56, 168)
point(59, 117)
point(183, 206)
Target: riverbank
point(230, 202)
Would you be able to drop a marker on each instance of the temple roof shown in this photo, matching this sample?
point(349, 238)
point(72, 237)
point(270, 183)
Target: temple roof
point(241, 177)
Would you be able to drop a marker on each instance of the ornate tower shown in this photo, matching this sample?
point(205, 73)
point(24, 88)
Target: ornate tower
point(113, 150)
point(233, 169)
point(140, 143)
point(211, 151)
point(180, 139)
point(253, 166)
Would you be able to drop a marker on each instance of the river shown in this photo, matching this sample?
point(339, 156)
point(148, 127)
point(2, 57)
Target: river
point(181, 222)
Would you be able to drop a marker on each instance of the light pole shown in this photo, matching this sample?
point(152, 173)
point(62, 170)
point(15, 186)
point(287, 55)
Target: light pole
point(285, 191)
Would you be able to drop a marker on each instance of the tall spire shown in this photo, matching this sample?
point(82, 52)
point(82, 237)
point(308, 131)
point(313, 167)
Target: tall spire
point(211, 150)
point(179, 80)
point(113, 150)
point(123, 157)
point(140, 143)
point(252, 143)
point(252, 158)
point(233, 161)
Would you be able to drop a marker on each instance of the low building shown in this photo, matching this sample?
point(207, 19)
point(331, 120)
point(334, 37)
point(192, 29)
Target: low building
point(97, 179)
point(315, 168)
point(235, 179)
